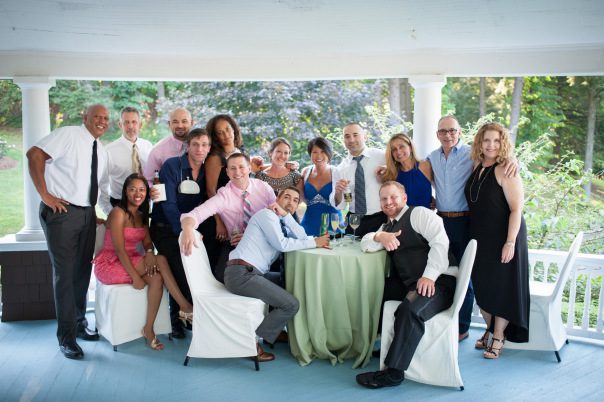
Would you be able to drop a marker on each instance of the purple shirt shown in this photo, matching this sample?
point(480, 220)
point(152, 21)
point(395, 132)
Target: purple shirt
point(167, 148)
point(228, 203)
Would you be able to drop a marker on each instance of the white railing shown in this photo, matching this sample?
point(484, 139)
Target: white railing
point(587, 272)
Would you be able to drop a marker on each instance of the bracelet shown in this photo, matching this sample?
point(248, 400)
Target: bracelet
point(511, 243)
point(150, 250)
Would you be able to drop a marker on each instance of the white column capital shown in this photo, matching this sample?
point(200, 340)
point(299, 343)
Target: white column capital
point(423, 81)
point(34, 81)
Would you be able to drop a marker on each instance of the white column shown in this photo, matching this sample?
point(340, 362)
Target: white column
point(36, 124)
point(426, 111)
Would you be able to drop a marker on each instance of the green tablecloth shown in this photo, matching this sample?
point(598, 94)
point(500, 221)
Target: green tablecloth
point(340, 293)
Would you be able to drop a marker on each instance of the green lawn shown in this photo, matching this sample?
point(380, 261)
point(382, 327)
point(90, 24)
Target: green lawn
point(11, 185)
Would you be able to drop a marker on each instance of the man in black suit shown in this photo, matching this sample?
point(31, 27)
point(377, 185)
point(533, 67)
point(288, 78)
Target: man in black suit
point(417, 246)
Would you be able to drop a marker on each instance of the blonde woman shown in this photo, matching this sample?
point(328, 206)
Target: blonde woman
point(403, 166)
point(500, 274)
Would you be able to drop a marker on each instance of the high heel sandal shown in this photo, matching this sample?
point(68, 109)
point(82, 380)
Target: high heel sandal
point(155, 344)
point(493, 352)
point(185, 317)
point(483, 343)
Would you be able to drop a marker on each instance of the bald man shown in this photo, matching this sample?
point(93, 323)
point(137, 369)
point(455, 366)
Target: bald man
point(65, 167)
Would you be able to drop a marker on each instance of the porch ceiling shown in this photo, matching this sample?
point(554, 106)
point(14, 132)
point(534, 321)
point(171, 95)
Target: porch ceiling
point(298, 39)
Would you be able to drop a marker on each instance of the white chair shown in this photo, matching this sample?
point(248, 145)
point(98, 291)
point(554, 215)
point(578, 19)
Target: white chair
point(435, 360)
point(224, 324)
point(546, 329)
point(121, 310)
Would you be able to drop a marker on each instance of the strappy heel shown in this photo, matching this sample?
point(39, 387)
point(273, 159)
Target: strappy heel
point(483, 342)
point(493, 352)
point(154, 344)
point(186, 318)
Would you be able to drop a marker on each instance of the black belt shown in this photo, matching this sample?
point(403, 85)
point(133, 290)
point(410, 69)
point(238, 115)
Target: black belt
point(160, 224)
point(453, 214)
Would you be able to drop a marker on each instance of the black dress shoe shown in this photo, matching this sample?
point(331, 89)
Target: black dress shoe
point(178, 332)
point(71, 350)
point(379, 379)
point(87, 334)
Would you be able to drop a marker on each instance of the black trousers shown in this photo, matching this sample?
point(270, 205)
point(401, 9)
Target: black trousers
point(166, 243)
point(458, 231)
point(411, 315)
point(70, 237)
point(369, 223)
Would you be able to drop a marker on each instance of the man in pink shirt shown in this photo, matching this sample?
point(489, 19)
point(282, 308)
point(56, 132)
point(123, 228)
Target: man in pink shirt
point(180, 124)
point(236, 202)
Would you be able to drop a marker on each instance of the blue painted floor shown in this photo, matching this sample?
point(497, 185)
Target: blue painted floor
point(32, 369)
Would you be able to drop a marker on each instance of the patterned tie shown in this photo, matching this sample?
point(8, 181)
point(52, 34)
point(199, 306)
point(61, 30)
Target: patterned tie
point(136, 161)
point(247, 209)
point(388, 227)
point(94, 183)
point(283, 228)
point(360, 205)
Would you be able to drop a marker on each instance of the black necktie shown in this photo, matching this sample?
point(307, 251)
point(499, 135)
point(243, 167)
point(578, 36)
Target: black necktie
point(360, 205)
point(283, 228)
point(388, 227)
point(94, 184)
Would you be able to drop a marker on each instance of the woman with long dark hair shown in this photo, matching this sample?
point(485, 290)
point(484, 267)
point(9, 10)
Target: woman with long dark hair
point(119, 261)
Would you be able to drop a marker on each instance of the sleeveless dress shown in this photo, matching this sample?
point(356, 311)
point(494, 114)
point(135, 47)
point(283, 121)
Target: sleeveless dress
point(278, 184)
point(500, 289)
point(417, 186)
point(107, 266)
point(317, 203)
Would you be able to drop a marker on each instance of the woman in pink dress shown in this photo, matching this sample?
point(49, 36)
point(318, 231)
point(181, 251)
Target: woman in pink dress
point(119, 261)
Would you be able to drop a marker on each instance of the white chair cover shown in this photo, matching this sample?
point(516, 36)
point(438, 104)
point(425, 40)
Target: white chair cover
point(121, 311)
point(546, 329)
point(435, 360)
point(224, 324)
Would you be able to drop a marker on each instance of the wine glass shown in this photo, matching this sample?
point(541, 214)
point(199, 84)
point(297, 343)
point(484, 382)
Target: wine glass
point(355, 222)
point(334, 220)
point(342, 225)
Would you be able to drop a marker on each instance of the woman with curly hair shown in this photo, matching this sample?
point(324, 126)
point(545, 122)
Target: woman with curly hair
point(500, 273)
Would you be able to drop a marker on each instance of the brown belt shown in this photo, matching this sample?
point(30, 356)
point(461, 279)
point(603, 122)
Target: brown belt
point(453, 214)
point(239, 262)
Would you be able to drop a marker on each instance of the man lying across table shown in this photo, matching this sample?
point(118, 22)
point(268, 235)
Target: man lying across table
point(420, 277)
point(270, 231)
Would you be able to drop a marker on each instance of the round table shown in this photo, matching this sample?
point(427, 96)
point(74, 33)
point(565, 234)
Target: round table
point(340, 294)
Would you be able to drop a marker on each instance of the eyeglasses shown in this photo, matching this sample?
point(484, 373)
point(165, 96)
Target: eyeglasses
point(444, 131)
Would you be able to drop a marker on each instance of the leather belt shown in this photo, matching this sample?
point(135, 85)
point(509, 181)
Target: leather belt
point(453, 214)
point(239, 262)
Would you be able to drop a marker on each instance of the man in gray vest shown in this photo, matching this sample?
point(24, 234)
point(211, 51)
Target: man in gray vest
point(417, 246)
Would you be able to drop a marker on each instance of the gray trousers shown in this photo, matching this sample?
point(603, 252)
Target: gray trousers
point(248, 281)
point(70, 237)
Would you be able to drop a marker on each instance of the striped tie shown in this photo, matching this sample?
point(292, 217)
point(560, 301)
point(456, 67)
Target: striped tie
point(247, 209)
point(360, 205)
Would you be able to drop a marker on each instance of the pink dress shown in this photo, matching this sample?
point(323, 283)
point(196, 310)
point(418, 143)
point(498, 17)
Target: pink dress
point(107, 266)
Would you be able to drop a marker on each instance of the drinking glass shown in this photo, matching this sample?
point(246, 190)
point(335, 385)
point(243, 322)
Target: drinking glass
point(342, 225)
point(324, 224)
point(355, 222)
point(334, 220)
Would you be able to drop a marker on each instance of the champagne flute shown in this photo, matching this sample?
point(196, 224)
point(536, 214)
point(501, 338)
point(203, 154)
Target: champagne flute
point(355, 222)
point(342, 225)
point(334, 221)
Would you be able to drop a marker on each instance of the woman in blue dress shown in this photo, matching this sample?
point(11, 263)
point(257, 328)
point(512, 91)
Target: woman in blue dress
point(317, 185)
point(403, 166)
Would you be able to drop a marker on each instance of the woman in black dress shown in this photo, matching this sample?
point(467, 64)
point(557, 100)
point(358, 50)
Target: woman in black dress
point(500, 274)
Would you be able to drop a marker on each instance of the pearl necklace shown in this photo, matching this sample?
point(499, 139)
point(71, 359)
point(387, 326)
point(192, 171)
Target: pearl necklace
point(480, 181)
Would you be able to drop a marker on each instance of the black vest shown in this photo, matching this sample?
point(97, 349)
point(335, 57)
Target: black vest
point(410, 258)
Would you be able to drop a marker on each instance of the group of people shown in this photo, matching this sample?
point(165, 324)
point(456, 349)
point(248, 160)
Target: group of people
point(245, 211)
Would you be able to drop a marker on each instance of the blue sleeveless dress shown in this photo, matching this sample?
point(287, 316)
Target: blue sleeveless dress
point(417, 186)
point(317, 203)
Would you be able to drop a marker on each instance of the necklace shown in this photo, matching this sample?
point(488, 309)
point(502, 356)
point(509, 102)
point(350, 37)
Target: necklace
point(227, 154)
point(480, 181)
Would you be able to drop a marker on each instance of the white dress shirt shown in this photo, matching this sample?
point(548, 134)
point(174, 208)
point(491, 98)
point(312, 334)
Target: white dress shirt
point(67, 172)
point(430, 226)
point(372, 159)
point(119, 167)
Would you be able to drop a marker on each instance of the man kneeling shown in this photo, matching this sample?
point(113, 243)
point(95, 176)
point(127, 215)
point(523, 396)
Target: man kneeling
point(270, 231)
point(420, 277)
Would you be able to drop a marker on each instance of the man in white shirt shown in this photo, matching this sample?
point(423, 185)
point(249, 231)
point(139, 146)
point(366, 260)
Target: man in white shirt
point(358, 173)
point(126, 155)
point(65, 167)
point(421, 278)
